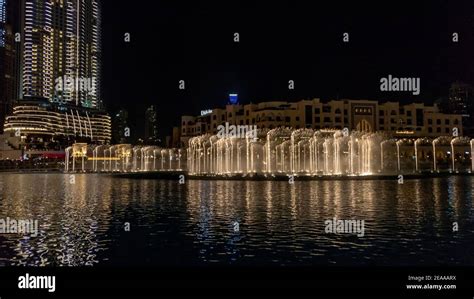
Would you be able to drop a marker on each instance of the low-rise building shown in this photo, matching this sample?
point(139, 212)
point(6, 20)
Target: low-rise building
point(42, 124)
point(398, 120)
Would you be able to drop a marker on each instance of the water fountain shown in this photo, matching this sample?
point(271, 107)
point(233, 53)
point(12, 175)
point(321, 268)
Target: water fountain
point(306, 152)
point(77, 150)
point(283, 152)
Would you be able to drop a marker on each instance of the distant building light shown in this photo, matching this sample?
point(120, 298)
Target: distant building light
point(404, 132)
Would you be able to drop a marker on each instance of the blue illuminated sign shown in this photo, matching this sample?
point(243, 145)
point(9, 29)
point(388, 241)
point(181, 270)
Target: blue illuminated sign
point(233, 98)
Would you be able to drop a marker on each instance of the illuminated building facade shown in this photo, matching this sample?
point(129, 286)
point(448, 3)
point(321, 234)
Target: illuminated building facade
point(120, 127)
point(9, 91)
point(412, 120)
point(54, 63)
point(3, 96)
point(151, 126)
point(42, 122)
point(461, 96)
point(60, 56)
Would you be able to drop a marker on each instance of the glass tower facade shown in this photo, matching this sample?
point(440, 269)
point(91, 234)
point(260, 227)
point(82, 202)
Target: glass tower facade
point(61, 51)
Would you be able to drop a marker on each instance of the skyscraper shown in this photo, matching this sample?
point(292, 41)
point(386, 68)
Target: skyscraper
point(151, 126)
point(60, 55)
point(3, 96)
point(460, 100)
point(121, 129)
point(55, 57)
point(9, 10)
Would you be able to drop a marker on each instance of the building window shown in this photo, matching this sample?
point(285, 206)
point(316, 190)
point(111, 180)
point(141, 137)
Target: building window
point(287, 119)
point(438, 129)
point(247, 121)
point(381, 113)
point(409, 122)
point(338, 111)
point(438, 121)
point(408, 113)
point(338, 119)
point(447, 130)
point(230, 115)
point(345, 111)
point(446, 121)
point(430, 130)
point(327, 119)
point(381, 122)
point(393, 112)
point(247, 113)
point(456, 121)
point(327, 109)
point(430, 121)
point(317, 110)
point(223, 117)
point(214, 117)
point(297, 118)
point(317, 119)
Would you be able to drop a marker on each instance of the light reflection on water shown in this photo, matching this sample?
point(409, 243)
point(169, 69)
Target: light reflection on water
point(282, 224)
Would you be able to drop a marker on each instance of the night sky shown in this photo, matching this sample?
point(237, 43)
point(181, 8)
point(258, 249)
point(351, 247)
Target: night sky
point(279, 41)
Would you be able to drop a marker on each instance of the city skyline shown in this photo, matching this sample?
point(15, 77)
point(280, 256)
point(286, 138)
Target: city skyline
point(238, 57)
point(236, 147)
point(195, 43)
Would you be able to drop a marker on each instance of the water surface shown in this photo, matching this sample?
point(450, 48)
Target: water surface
point(194, 224)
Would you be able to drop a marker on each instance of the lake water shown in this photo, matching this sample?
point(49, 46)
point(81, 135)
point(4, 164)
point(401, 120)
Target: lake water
point(235, 222)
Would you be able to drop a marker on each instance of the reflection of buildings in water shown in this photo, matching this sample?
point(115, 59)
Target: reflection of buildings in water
point(459, 193)
point(440, 204)
point(70, 216)
point(269, 203)
point(336, 195)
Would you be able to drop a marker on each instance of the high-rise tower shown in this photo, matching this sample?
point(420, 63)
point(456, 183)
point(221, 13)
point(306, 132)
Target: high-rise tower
point(60, 55)
point(55, 48)
point(9, 67)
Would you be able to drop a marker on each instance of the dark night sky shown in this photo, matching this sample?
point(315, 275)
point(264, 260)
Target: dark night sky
point(279, 41)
